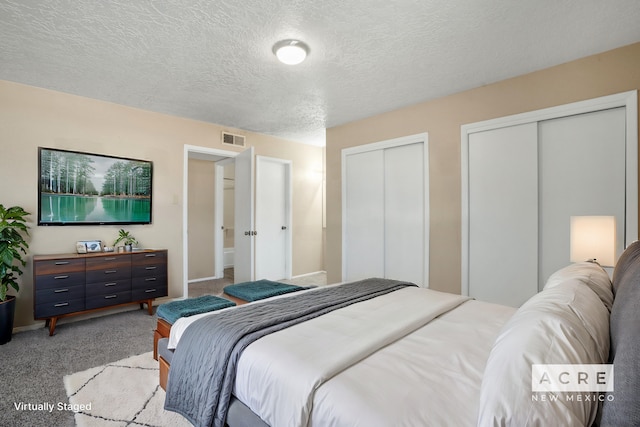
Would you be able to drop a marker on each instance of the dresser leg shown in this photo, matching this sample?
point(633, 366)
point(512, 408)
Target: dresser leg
point(52, 325)
point(150, 307)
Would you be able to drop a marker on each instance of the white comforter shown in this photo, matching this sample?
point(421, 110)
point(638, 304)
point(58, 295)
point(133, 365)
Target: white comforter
point(413, 357)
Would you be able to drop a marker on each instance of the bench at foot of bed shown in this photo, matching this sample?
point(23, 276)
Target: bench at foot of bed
point(169, 312)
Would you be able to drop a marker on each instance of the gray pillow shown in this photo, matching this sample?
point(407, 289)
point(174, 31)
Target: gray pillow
point(624, 409)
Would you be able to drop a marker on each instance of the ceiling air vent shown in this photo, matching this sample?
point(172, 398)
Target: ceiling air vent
point(231, 139)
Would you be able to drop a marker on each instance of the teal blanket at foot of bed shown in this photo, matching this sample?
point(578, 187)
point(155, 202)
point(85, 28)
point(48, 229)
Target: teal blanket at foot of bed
point(261, 289)
point(172, 311)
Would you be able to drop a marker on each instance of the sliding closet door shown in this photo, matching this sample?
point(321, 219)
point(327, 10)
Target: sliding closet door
point(364, 219)
point(582, 172)
point(525, 176)
point(404, 213)
point(503, 214)
point(385, 216)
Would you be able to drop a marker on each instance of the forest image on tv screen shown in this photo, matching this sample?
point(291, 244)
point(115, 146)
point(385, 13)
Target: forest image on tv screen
point(80, 188)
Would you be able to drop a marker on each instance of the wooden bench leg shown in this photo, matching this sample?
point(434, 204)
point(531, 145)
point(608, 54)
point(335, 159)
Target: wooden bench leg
point(164, 373)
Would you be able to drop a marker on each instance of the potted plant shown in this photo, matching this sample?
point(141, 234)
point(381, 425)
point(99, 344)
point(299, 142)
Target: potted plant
point(13, 228)
point(127, 239)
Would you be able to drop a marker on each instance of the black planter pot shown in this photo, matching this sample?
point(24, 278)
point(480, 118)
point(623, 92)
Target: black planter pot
point(7, 310)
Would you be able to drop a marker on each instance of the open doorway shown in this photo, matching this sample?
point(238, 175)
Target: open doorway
point(219, 217)
point(204, 227)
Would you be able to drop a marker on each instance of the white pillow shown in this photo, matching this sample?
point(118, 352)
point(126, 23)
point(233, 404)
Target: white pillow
point(591, 274)
point(566, 323)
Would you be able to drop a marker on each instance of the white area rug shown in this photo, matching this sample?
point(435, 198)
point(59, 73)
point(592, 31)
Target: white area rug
point(123, 393)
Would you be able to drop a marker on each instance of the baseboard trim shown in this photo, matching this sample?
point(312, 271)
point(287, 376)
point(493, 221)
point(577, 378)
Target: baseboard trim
point(203, 279)
point(309, 274)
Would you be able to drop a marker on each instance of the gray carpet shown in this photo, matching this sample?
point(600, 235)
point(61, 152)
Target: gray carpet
point(33, 363)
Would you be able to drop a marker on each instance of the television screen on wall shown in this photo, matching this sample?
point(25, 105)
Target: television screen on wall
point(77, 188)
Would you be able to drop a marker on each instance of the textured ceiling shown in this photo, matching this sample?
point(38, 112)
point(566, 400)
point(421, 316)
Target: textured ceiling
point(212, 60)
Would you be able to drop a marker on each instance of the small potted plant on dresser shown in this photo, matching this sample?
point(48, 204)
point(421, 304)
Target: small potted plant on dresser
point(127, 239)
point(13, 228)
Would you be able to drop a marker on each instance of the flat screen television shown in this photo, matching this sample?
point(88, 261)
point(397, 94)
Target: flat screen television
point(77, 188)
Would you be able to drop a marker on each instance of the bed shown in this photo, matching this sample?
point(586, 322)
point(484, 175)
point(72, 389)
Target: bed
point(408, 356)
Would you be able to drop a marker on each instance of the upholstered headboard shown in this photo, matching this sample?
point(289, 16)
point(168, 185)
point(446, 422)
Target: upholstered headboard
point(624, 409)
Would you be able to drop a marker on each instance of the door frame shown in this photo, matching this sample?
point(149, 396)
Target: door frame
point(629, 100)
point(288, 164)
point(202, 153)
point(389, 143)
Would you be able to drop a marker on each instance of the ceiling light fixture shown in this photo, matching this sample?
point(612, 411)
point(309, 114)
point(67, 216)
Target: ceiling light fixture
point(290, 52)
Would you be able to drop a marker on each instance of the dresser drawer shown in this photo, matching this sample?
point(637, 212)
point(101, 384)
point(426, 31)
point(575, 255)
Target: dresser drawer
point(107, 262)
point(138, 283)
point(108, 269)
point(61, 279)
point(148, 270)
point(59, 308)
point(108, 299)
point(59, 294)
point(108, 275)
point(149, 292)
point(58, 266)
point(110, 287)
point(144, 258)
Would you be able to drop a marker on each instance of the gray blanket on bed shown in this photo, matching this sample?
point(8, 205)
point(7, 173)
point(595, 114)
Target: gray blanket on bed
point(203, 368)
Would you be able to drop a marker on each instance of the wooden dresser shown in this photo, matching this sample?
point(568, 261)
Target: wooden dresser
point(70, 284)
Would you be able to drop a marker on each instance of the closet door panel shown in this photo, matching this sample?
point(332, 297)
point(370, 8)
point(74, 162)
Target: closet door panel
point(364, 215)
point(582, 172)
point(404, 213)
point(503, 214)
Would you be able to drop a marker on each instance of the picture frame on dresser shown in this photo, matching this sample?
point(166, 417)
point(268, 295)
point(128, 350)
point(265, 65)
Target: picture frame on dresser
point(72, 284)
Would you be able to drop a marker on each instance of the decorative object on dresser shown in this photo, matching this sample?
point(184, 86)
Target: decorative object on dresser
point(127, 239)
point(12, 246)
point(71, 284)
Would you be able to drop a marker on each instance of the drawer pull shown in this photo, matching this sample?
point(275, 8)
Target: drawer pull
point(110, 284)
point(110, 296)
point(151, 268)
point(62, 304)
point(62, 262)
point(110, 258)
point(149, 290)
point(150, 279)
point(110, 271)
point(150, 255)
point(66, 276)
point(59, 291)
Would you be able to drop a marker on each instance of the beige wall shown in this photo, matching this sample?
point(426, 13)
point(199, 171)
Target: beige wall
point(604, 74)
point(32, 117)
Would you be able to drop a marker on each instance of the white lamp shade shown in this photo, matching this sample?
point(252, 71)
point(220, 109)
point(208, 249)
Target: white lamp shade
point(593, 237)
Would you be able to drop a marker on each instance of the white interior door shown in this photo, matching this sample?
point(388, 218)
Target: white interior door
point(503, 214)
point(273, 218)
point(244, 217)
